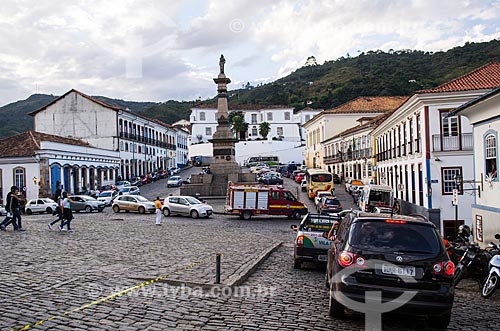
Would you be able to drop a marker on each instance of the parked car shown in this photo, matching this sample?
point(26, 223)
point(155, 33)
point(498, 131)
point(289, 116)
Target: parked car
point(3, 212)
point(329, 205)
point(174, 181)
point(136, 182)
point(107, 197)
point(133, 190)
point(271, 179)
point(310, 245)
point(336, 179)
point(86, 203)
point(303, 185)
point(300, 176)
point(133, 203)
point(321, 194)
point(174, 171)
point(107, 188)
point(122, 183)
point(146, 179)
point(186, 205)
point(375, 252)
point(41, 205)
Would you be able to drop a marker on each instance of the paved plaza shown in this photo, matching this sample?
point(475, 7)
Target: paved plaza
point(67, 281)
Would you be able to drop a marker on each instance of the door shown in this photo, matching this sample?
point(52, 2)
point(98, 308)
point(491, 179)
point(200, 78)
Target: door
point(183, 206)
point(55, 177)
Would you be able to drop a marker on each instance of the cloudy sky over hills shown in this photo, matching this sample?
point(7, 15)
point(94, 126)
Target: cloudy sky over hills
point(155, 50)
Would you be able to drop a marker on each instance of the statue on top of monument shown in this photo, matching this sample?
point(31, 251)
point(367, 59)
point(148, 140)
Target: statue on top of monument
point(221, 63)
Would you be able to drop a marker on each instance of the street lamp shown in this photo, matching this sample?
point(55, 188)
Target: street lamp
point(458, 182)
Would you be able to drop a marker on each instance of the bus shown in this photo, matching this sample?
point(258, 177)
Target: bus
point(271, 161)
point(318, 180)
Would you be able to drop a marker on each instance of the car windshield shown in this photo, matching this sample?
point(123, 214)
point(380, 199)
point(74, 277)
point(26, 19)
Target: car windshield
point(174, 178)
point(332, 202)
point(142, 199)
point(47, 200)
point(317, 223)
point(105, 194)
point(125, 189)
point(385, 237)
point(193, 201)
point(88, 199)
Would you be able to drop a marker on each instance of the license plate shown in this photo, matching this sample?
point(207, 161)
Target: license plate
point(398, 271)
point(322, 258)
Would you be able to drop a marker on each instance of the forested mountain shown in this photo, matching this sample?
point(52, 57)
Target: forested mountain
point(396, 72)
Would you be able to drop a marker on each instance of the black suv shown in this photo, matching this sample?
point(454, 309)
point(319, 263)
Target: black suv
point(391, 255)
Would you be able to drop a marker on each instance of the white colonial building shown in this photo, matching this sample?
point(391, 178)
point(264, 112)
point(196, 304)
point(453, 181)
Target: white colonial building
point(284, 124)
point(144, 145)
point(420, 150)
point(484, 115)
point(37, 163)
point(331, 122)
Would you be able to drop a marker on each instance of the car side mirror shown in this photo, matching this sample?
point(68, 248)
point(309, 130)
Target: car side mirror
point(293, 227)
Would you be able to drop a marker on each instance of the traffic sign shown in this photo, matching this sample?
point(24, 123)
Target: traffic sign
point(455, 197)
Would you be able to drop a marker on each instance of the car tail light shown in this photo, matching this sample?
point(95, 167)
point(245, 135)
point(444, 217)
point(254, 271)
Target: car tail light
point(300, 241)
point(396, 221)
point(444, 268)
point(347, 259)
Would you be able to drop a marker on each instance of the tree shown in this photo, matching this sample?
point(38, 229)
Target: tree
point(264, 129)
point(238, 125)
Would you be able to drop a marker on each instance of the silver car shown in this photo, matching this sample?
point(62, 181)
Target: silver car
point(86, 203)
point(107, 197)
point(186, 205)
point(174, 181)
point(132, 190)
point(41, 205)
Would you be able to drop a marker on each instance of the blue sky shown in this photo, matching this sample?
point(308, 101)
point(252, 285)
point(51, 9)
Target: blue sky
point(149, 50)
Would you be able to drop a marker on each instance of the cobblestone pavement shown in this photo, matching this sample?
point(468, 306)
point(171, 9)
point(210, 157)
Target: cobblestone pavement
point(46, 273)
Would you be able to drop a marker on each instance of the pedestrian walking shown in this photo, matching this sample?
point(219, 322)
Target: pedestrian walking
point(13, 208)
point(158, 210)
point(59, 208)
point(67, 213)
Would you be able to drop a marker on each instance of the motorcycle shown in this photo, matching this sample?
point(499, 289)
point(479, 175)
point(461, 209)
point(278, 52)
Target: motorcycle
point(473, 264)
point(491, 283)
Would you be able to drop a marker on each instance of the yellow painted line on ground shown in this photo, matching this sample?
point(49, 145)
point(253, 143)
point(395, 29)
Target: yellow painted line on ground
point(112, 296)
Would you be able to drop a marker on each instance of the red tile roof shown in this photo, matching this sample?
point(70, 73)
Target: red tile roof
point(26, 143)
point(374, 122)
point(483, 78)
point(368, 105)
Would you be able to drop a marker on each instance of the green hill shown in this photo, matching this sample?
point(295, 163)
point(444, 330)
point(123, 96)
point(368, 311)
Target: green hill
point(398, 72)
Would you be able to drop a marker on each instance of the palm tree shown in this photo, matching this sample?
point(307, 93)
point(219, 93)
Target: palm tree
point(238, 125)
point(264, 129)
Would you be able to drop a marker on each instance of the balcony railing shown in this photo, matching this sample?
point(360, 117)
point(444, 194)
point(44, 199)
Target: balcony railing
point(462, 142)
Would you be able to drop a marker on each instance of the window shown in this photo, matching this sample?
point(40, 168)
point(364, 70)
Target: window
point(449, 126)
point(20, 178)
point(208, 131)
point(202, 116)
point(254, 118)
point(279, 131)
point(275, 195)
point(490, 145)
point(254, 131)
point(269, 116)
point(448, 177)
point(287, 116)
point(308, 117)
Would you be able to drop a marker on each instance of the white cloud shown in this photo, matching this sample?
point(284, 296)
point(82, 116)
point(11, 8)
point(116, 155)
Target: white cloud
point(156, 50)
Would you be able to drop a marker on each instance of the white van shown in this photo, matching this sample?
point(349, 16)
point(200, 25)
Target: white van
point(376, 198)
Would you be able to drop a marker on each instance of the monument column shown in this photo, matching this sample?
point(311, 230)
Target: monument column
point(223, 141)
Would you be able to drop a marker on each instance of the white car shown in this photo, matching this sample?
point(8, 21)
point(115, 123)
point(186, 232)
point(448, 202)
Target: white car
point(3, 212)
point(321, 194)
point(303, 185)
point(174, 181)
point(122, 184)
point(132, 190)
point(107, 197)
point(174, 171)
point(186, 205)
point(41, 205)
